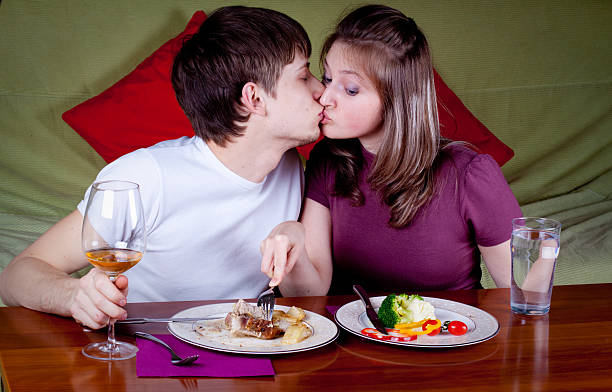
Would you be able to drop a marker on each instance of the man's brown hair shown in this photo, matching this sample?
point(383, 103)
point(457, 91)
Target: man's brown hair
point(234, 46)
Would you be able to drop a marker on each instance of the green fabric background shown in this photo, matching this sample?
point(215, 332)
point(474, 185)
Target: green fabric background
point(538, 74)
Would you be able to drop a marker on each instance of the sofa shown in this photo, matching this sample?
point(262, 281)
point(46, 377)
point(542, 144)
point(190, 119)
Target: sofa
point(538, 75)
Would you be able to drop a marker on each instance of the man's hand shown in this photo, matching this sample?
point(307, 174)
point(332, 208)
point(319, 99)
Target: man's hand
point(281, 250)
point(96, 299)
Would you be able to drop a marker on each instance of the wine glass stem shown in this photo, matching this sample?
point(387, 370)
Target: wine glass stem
point(112, 343)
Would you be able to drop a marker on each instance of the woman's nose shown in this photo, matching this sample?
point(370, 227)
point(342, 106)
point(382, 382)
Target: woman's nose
point(326, 99)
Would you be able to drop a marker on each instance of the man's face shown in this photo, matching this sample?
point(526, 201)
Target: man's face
point(295, 112)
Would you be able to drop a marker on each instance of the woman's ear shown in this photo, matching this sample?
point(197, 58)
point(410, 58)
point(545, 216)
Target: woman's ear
point(252, 100)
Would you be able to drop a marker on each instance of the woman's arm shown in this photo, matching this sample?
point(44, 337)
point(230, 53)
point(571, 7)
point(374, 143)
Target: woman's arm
point(498, 259)
point(297, 255)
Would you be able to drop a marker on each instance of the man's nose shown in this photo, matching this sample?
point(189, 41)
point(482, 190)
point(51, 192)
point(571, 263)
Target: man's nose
point(318, 89)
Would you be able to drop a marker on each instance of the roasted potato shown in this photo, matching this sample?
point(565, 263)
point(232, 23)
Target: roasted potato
point(295, 333)
point(296, 313)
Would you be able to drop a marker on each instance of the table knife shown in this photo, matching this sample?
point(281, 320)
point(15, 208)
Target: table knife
point(370, 312)
point(144, 320)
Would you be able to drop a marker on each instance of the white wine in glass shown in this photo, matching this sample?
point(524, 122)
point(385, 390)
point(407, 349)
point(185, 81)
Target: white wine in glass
point(114, 240)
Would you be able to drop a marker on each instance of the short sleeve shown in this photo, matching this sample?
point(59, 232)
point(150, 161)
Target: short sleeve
point(139, 167)
point(488, 202)
point(317, 177)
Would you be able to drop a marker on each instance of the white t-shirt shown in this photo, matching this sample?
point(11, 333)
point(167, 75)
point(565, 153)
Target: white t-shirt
point(204, 222)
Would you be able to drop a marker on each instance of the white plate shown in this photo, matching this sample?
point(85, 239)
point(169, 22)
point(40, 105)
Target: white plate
point(481, 325)
point(217, 338)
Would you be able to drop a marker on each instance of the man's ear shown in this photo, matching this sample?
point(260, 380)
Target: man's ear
point(253, 101)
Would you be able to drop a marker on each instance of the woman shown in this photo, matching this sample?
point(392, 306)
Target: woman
point(389, 204)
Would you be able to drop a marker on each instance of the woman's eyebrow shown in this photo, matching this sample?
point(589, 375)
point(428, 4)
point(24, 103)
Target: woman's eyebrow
point(344, 71)
point(350, 72)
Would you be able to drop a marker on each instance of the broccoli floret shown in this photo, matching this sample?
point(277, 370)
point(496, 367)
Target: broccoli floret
point(394, 309)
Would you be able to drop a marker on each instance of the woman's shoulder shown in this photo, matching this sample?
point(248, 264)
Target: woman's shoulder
point(461, 156)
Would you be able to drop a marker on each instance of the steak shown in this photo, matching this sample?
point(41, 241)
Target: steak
point(248, 320)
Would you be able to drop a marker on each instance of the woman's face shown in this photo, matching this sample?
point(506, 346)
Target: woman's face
point(352, 106)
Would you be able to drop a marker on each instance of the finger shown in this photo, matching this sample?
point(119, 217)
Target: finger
point(267, 266)
point(82, 307)
point(102, 293)
point(86, 313)
point(121, 282)
point(281, 249)
point(109, 290)
point(294, 255)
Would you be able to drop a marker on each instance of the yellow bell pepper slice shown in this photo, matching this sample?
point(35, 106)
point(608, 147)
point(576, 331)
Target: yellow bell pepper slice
point(428, 329)
point(415, 324)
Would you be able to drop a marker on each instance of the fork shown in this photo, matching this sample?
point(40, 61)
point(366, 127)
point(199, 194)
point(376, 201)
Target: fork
point(175, 359)
point(267, 300)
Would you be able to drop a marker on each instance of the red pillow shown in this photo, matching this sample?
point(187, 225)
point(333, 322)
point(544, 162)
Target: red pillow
point(458, 123)
point(141, 110)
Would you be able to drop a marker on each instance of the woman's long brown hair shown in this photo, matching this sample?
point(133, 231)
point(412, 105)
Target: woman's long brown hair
point(394, 54)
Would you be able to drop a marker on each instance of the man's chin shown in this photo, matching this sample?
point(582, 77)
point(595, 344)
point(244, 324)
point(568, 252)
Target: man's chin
point(310, 139)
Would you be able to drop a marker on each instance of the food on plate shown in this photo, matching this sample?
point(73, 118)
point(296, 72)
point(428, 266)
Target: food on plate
point(432, 322)
point(405, 309)
point(248, 320)
point(295, 333)
point(408, 316)
point(455, 327)
point(285, 319)
point(291, 322)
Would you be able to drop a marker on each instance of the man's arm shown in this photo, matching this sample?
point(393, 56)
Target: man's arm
point(38, 278)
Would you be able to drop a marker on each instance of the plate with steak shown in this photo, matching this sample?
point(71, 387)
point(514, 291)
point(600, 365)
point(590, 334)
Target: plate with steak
point(241, 328)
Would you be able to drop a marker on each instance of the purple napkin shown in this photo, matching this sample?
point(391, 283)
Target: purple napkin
point(332, 309)
point(153, 360)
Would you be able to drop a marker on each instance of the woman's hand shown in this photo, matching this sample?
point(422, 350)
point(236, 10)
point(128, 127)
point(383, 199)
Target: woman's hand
point(281, 250)
point(96, 299)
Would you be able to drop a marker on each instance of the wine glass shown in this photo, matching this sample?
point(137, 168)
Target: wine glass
point(114, 239)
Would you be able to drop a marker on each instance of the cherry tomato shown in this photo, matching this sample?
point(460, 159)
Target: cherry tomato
point(432, 322)
point(457, 328)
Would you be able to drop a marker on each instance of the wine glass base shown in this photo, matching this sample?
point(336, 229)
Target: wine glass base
point(104, 352)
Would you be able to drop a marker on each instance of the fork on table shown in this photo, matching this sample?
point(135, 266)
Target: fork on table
point(267, 300)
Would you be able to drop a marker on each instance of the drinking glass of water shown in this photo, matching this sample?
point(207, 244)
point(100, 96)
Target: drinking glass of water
point(535, 247)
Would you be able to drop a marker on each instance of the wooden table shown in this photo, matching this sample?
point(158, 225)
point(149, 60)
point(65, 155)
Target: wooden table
point(568, 349)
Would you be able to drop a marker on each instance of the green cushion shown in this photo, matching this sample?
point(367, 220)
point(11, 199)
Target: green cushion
point(537, 75)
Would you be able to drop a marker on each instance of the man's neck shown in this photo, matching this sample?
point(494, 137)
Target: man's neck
point(250, 158)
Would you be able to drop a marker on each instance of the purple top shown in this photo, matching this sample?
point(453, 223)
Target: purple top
point(438, 249)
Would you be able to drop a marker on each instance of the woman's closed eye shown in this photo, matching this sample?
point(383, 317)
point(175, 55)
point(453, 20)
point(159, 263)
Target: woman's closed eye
point(325, 80)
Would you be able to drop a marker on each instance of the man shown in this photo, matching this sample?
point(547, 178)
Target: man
point(243, 81)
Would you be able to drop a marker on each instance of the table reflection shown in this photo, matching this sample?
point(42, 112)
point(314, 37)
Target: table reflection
point(413, 356)
point(526, 353)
